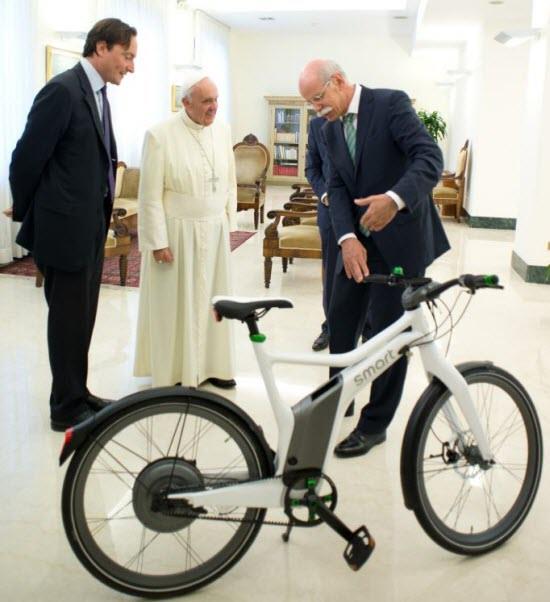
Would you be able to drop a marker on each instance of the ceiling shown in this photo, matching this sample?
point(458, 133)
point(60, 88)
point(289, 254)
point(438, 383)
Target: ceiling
point(398, 18)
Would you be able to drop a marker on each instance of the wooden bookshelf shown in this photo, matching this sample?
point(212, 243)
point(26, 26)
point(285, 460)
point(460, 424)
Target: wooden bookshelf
point(289, 118)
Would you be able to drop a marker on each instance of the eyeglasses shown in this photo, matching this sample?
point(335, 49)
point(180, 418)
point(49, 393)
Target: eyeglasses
point(319, 97)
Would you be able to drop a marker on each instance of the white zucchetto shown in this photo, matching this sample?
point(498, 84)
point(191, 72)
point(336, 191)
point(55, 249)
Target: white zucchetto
point(192, 78)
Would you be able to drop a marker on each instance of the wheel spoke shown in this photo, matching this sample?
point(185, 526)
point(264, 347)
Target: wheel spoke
point(490, 503)
point(113, 515)
point(138, 556)
point(186, 545)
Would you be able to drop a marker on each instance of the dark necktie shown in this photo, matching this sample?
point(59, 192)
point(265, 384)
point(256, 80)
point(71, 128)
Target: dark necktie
point(107, 138)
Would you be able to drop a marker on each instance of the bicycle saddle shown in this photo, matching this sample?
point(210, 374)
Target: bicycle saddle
point(241, 307)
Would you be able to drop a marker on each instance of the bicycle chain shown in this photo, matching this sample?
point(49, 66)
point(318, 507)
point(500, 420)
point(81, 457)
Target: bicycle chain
point(230, 519)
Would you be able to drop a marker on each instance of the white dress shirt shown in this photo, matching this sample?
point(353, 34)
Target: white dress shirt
point(96, 82)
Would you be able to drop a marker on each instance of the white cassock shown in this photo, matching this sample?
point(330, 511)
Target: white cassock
point(188, 202)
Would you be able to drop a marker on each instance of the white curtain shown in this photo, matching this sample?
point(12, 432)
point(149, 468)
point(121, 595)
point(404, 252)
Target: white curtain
point(143, 98)
point(212, 39)
point(17, 69)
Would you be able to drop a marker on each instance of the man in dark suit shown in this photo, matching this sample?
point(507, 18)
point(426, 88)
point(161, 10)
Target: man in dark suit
point(317, 174)
point(62, 183)
point(384, 165)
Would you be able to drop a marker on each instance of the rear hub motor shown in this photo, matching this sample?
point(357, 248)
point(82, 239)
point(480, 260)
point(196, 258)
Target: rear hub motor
point(154, 510)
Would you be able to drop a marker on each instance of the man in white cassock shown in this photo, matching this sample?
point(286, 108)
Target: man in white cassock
point(187, 207)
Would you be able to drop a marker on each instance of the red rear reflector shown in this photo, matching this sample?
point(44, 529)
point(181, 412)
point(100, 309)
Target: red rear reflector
point(68, 436)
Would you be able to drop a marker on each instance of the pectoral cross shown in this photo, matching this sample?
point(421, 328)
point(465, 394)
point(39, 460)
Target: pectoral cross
point(213, 179)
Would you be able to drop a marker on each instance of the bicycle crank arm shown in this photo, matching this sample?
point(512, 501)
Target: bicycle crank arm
point(360, 542)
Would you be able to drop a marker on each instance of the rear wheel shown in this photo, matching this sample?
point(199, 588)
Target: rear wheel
point(113, 494)
point(464, 504)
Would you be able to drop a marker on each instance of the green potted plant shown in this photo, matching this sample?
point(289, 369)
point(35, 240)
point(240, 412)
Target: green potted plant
point(434, 123)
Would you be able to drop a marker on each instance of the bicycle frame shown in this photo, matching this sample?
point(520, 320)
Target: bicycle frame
point(361, 366)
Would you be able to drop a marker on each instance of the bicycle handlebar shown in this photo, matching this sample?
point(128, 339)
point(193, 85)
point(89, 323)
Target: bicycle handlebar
point(419, 290)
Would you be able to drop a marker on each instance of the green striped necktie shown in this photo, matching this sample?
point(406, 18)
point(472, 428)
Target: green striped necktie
point(350, 134)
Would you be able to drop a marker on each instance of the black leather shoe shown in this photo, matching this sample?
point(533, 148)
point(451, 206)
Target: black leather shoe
point(61, 424)
point(96, 403)
point(351, 410)
point(321, 342)
point(222, 383)
point(358, 444)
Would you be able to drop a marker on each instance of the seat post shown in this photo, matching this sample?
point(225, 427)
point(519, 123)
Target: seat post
point(252, 323)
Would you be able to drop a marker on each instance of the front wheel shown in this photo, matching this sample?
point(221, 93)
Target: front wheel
point(464, 504)
point(115, 510)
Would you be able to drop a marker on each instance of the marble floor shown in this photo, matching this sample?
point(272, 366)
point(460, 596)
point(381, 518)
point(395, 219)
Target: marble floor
point(511, 327)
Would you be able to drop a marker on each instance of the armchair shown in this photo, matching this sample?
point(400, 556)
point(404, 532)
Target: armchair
point(301, 191)
point(118, 243)
point(251, 163)
point(126, 193)
point(293, 240)
point(449, 191)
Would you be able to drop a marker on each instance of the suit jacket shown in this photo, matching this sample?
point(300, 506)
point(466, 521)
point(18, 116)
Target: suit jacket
point(394, 152)
point(317, 171)
point(59, 175)
point(317, 167)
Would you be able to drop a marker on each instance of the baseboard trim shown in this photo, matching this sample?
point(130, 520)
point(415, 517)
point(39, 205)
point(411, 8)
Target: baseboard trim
point(538, 274)
point(496, 223)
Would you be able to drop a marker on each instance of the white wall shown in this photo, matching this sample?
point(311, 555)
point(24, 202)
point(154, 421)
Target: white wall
point(270, 64)
point(499, 112)
point(464, 99)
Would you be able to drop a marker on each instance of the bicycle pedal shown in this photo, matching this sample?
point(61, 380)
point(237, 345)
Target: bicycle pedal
point(359, 548)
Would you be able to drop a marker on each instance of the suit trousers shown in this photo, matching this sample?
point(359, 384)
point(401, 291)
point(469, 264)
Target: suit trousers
point(329, 250)
point(351, 303)
point(72, 299)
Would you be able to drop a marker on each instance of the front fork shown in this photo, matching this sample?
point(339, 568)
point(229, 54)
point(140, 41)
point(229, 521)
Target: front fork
point(436, 364)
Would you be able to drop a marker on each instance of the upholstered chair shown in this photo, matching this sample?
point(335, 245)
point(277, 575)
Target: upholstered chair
point(449, 192)
point(117, 244)
point(126, 193)
point(296, 239)
point(251, 163)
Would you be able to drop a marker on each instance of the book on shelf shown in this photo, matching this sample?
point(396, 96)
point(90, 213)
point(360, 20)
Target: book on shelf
point(289, 137)
point(285, 153)
point(285, 170)
point(287, 116)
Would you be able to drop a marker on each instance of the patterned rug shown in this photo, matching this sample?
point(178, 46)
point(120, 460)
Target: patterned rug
point(111, 274)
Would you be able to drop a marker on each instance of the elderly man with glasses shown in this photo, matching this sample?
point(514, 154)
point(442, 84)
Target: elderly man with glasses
point(384, 165)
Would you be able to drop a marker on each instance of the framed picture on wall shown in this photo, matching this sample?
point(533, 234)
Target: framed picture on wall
point(59, 60)
point(177, 92)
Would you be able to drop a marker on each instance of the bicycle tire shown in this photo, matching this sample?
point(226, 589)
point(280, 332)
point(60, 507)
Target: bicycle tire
point(118, 485)
point(421, 469)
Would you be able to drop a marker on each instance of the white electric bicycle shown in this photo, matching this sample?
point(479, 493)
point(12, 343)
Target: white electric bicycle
point(168, 488)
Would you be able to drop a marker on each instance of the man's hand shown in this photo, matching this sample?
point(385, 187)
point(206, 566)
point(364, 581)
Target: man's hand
point(381, 210)
point(8, 212)
point(354, 256)
point(163, 255)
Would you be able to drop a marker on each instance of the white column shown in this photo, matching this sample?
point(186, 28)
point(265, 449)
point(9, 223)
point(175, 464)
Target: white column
point(494, 191)
point(531, 255)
